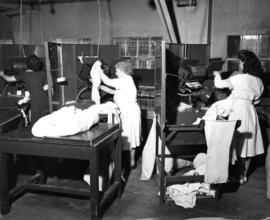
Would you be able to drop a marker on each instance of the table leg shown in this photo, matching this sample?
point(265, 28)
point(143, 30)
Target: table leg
point(4, 192)
point(94, 185)
point(117, 157)
point(42, 166)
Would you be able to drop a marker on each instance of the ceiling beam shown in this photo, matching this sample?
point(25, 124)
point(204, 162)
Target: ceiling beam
point(166, 20)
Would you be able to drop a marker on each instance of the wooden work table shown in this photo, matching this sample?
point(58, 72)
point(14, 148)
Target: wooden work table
point(87, 145)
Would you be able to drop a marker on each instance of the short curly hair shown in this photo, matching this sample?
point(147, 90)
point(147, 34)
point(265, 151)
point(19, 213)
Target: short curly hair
point(34, 63)
point(125, 66)
point(251, 63)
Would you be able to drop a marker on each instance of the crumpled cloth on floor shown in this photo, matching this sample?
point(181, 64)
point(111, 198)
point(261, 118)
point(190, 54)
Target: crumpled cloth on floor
point(95, 76)
point(218, 136)
point(183, 194)
point(70, 120)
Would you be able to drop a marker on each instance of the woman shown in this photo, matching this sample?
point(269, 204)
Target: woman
point(125, 97)
point(35, 82)
point(246, 88)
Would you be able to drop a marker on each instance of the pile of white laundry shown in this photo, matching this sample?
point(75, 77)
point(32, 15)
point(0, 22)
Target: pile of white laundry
point(185, 195)
point(71, 120)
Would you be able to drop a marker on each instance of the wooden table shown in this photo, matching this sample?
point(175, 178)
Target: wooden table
point(84, 146)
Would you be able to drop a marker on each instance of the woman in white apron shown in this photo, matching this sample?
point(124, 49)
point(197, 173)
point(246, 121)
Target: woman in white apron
point(246, 88)
point(125, 97)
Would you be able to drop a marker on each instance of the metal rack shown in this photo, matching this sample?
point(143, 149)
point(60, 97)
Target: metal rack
point(178, 147)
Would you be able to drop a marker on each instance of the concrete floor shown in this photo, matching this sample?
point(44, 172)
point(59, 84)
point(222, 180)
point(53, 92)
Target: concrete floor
point(140, 201)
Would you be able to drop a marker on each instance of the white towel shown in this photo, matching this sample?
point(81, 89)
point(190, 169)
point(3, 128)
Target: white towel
point(149, 154)
point(95, 76)
point(219, 136)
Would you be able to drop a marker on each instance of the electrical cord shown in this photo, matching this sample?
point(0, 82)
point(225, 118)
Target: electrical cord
point(41, 25)
point(21, 42)
point(5, 88)
point(99, 36)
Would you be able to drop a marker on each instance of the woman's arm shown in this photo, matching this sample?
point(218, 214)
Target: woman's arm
point(221, 83)
point(107, 89)
point(7, 78)
point(106, 80)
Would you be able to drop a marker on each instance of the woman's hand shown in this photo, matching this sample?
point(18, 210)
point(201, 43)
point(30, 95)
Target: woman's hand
point(7, 78)
point(1, 73)
point(216, 73)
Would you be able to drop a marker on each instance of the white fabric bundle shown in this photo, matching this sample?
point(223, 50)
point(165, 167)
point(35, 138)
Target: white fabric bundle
point(199, 163)
point(70, 120)
point(149, 154)
point(95, 76)
point(66, 121)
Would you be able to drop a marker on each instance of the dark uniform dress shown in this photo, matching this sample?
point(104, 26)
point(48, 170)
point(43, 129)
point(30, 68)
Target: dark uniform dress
point(34, 82)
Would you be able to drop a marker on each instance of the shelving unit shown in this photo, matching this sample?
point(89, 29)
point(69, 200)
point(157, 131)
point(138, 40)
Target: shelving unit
point(60, 63)
point(141, 50)
point(258, 43)
point(145, 54)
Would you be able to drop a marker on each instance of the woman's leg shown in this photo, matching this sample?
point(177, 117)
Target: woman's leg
point(247, 164)
point(244, 166)
point(132, 158)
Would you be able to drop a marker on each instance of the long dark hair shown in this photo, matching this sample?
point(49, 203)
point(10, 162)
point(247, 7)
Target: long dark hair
point(251, 63)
